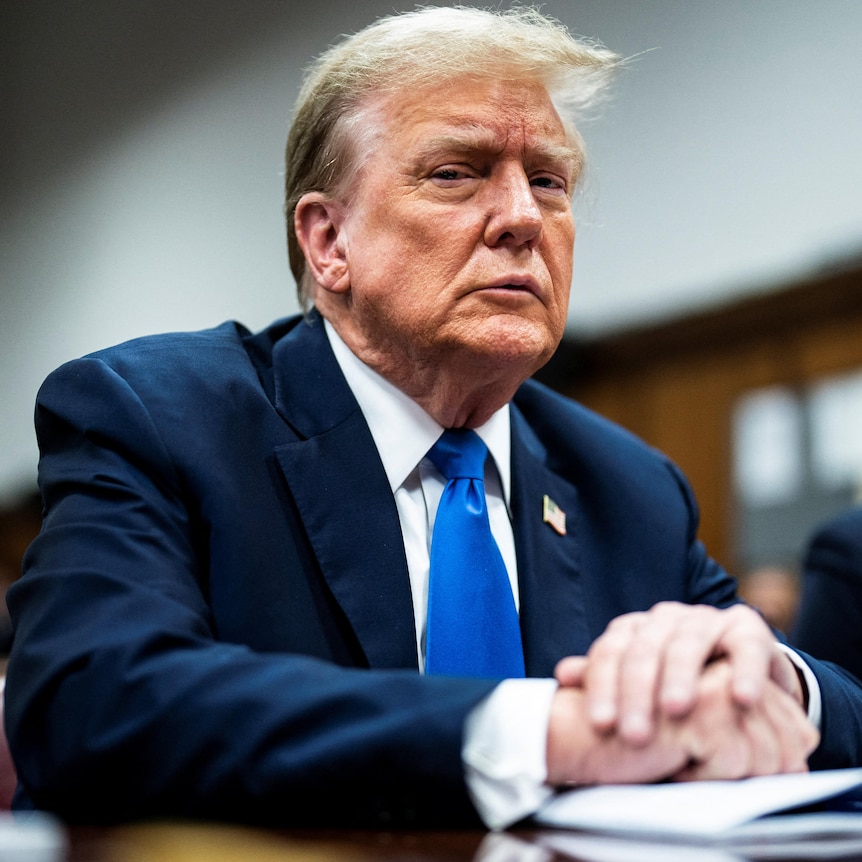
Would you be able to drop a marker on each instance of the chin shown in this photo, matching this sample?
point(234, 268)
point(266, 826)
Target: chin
point(521, 344)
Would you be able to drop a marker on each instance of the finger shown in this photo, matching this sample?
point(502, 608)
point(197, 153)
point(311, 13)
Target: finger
point(725, 740)
point(698, 632)
point(750, 646)
point(640, 674)
point(794, 734)
point(712, 732)
point(728, 761)
point(728, 757)
point(643, 662)
point(779, 734)
point(764, 739)
point(571, 671)
point(785, 674)
point(737, 633)
point(602, 678)
point(668, 647)
point(577, 754)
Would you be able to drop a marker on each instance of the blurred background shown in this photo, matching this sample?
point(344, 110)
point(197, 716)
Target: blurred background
point(717, 296)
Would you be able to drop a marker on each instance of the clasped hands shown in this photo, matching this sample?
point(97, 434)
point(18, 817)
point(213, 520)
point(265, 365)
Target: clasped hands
point(679, 692)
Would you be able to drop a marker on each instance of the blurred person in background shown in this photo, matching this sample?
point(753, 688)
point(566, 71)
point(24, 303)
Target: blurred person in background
point(774, 591)
point(830, 610)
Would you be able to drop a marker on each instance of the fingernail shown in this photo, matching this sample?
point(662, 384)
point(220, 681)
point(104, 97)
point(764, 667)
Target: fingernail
point(676, 696)
point(602, 713)
point(745, 690)
point(635, 726)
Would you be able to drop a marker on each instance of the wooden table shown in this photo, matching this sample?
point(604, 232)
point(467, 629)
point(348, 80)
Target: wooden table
point(166, 842)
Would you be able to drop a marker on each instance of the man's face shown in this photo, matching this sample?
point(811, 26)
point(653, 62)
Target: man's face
point(458, 230)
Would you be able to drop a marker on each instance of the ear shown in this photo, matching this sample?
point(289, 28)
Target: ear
point(318, 222)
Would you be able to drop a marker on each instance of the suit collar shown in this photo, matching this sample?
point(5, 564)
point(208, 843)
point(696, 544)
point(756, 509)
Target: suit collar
point(309, 389)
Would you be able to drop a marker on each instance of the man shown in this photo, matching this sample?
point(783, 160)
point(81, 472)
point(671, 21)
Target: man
point(227, 613)
point(830, 609)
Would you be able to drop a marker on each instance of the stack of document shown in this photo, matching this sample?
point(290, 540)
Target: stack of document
point(806, 816)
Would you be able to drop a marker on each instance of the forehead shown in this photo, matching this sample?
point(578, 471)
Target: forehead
point(478, 112)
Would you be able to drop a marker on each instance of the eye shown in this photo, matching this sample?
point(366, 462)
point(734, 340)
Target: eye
point(447, 174)
point(451, 174)
point(549, 182)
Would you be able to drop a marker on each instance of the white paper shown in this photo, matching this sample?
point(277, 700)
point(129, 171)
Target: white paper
point(591, 847)
point(31, 837)
point(586, 847)
point(705, 809)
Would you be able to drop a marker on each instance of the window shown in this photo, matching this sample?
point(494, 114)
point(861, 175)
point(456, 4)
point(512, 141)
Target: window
point(797, 459)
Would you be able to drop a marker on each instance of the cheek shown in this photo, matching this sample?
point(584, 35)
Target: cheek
point(560, 274)
point(560, 255)
point(428, 256)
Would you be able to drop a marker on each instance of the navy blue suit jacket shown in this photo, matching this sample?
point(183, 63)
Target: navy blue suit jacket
point(829, 623)
point(216, 619)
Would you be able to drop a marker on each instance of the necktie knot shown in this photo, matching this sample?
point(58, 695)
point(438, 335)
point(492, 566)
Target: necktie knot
point(459, 454)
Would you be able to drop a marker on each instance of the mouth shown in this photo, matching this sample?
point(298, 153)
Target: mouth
point(515, 284)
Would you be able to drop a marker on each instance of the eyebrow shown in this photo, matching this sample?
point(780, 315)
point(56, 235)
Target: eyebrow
point(473, 140)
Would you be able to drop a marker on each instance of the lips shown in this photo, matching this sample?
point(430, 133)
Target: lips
point(518, 283)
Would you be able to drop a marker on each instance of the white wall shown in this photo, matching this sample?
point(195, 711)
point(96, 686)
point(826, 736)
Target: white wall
point(729, 161)
point(142, 173)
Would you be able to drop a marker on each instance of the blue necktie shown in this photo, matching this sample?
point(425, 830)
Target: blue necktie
point(472, 627)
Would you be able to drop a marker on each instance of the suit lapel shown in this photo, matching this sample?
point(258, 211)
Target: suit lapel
point(553, 613)
point(336, 478)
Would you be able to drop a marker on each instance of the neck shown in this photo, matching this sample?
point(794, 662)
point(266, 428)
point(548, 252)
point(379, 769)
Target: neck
point(458, 388)
point(455, 405)
point(455, 392)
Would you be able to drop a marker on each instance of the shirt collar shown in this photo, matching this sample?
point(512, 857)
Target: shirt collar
point(403, 432)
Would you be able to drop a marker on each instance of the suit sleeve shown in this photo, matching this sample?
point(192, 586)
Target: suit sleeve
point(123, 703)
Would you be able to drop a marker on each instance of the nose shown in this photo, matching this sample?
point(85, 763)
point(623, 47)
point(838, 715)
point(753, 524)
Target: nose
point(514, 216)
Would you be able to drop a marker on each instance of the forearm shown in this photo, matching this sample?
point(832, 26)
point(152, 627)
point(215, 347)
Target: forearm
point(186, 729)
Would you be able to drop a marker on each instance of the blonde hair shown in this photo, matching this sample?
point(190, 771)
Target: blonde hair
point(432, 45)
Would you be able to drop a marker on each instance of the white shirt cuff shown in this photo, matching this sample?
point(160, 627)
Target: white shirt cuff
point(815, 701)
point(504, 751)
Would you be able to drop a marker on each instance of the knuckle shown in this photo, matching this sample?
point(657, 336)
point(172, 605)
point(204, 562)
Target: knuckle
point(604, 648)
point(625, 624)
point(743, 616)
point(669, 608)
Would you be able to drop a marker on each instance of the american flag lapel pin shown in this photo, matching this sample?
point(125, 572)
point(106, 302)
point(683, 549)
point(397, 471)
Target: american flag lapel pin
point(552, 514)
